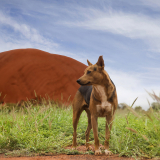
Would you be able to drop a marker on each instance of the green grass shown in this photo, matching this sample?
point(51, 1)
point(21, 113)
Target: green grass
point(48, 129)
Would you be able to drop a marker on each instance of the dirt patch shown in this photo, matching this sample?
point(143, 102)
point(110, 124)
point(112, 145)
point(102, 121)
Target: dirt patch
point(26, 71)
point(70, 157)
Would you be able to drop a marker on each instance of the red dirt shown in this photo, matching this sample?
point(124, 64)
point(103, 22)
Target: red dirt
point(24, 71)
point(70, 157)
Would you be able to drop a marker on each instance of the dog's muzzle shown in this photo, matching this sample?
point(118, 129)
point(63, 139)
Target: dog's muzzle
point(78, 81)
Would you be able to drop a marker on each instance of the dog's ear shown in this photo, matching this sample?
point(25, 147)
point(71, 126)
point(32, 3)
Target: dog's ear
point(100, 62)
point(89, 63)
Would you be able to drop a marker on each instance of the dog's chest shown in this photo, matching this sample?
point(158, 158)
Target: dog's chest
point(104, 107)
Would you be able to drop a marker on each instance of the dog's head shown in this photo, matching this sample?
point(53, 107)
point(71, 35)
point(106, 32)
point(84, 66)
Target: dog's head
point(93, 74)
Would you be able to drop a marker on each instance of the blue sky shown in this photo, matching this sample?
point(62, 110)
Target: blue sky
point(126, 33)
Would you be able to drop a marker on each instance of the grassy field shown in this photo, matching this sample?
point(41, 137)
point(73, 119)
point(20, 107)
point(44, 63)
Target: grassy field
point(48, 128)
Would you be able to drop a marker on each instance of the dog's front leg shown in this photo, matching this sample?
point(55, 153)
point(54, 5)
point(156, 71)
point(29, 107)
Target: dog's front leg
point(95, 132)
point(109, 120)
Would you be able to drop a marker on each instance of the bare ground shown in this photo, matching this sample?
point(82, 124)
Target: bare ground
point(69, 157)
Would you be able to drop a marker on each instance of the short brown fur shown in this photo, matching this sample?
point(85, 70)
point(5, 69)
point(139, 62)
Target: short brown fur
point(103, 103)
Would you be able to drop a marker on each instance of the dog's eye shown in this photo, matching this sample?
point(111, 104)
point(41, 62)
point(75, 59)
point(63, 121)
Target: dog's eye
point(88, 72)
point(95, 68)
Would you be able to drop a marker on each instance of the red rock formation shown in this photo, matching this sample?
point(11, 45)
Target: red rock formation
point(23, 71)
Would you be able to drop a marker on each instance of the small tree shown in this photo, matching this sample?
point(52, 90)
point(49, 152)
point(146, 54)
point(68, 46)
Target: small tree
point(155, 106)
point(122, 106)
point(138, 108)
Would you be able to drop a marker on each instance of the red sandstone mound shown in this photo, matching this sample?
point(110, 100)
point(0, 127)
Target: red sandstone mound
point(26, 71)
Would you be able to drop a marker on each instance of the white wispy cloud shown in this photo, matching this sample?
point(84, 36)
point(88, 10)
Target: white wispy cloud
point(151, 74)
point(126, 24)
point(152, 4)
point(24, 31)
point(130, 25)
point(132, 85)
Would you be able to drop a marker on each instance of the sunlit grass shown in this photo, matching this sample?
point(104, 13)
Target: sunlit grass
point(47, 128)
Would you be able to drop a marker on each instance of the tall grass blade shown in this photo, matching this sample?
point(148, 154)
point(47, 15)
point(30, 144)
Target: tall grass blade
point(134, 102)
point(133, 111)
point(134, 131)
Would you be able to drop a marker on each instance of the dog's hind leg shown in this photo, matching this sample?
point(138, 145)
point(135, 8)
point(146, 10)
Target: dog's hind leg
point(76, 116)
point(77, 110)
point(88, 129)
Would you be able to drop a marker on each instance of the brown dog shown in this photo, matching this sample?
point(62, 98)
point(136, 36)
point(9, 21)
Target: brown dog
point(97, 96)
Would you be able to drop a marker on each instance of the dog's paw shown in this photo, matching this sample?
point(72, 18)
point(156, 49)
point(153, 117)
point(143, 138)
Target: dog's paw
point(89, 148)
point(98, 152)
point(108, 153)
